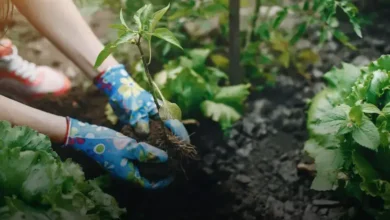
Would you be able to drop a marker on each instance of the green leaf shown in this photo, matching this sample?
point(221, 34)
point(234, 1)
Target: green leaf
point(386, 110)
point(36, 184)
point(312, 148)
point(344, 39)
point(370, 109)
point(379, 81)
point(366, 172)
point(331, 121)
point(383, 63)
point(122, 19)
point(280, 16)
point(306, 5)
point(125, 38)
point(167, 35)
point(301, 29)
point(351, 10)
point(356, 115)
point(221, 113)
point(157, 17)
point(320, 105)
point(233, 95)
point(344, 78)
point(366, 134)
point(198, 57)
point(328, 163)
point(108, 49)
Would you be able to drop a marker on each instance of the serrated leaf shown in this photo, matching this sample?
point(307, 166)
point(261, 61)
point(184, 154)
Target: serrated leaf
point(167, 35)
point(383, 63)
point(331, 121)
point(367, 134)
point(157, 17)
point(221, 113)
point(371, 109)
point(344, 78)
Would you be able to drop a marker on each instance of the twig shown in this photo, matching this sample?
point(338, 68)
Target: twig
point(255, 16)
point(138, 43)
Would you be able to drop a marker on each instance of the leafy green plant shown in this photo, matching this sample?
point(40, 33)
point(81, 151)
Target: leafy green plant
point(197, 89)
point(36, 184)
point(350, 133)
point(144, 26)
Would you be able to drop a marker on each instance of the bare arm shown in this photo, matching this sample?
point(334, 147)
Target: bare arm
point(18, 114)
point(61, 22)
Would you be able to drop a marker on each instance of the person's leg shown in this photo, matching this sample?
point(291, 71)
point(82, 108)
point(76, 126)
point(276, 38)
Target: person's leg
point(24, 80)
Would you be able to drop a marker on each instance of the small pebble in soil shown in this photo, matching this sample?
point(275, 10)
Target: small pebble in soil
point(288, 172)
point(243, 178)
point(325, 202)
point(289, 207)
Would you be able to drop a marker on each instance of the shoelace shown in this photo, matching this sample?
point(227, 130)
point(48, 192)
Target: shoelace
point(19, 66)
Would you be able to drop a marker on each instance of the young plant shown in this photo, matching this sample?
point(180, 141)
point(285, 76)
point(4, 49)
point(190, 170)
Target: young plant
point(145, 27)
point(349, 125)
point(36, 184)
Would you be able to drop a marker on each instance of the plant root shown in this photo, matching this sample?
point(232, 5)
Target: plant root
point(178, 151)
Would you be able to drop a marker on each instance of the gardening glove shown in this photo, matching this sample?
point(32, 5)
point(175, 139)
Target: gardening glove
point(115, 152)
point(178, 129)
point(131, 103)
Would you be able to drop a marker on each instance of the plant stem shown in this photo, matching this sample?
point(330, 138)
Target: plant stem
point(255, 16)
point(138, 43)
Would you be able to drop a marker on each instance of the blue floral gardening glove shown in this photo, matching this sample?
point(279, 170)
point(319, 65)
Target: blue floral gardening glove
point(131, 103)
point(115, 152)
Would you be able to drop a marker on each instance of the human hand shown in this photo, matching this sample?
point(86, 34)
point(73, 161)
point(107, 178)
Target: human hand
point(115, 152)
point(132, 104)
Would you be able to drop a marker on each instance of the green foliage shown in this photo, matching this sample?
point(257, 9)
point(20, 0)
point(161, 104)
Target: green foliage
point(197, 90)
point(36, 184)
point(269, 47)
point(144, 23)
point(349, 134)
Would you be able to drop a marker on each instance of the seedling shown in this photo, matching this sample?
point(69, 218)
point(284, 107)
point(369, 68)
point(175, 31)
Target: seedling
point(144, 27)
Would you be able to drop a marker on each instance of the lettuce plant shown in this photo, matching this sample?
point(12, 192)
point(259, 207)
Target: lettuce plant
point(36, 184)
point(349, 126)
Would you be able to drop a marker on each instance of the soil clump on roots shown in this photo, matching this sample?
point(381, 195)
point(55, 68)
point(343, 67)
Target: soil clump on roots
point(178, 151)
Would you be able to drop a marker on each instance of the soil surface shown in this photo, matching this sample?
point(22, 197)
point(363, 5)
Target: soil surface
point(251, 174)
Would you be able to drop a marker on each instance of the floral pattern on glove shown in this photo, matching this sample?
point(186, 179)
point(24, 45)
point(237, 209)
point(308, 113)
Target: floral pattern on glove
point(115, 152)
point(131, 103)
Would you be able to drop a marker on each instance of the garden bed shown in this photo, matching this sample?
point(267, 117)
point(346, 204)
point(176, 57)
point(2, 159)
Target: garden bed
point(250, 175)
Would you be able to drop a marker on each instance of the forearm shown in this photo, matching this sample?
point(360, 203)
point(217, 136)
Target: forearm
point(61, 22)
point(18, 114)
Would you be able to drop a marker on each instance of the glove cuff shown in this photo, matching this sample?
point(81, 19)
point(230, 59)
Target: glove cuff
point(66, 138)
point(109, 79)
